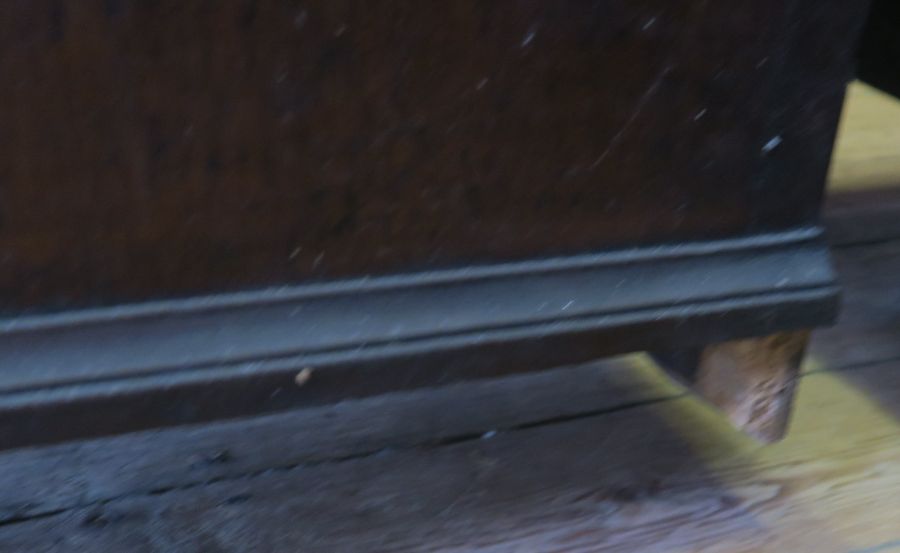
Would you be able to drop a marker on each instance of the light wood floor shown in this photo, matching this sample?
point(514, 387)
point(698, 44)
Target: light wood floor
point(867, 151)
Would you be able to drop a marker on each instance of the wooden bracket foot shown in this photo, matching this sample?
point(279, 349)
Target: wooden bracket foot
point(752, 380)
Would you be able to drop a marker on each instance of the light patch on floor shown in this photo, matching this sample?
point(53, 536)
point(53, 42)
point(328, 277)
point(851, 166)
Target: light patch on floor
point(867, 150)
point(832, 485)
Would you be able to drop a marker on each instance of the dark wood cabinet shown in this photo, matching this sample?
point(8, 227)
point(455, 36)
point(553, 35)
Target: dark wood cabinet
point(214, 209)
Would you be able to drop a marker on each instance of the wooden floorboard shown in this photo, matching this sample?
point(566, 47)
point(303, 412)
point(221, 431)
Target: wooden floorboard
point(40, 480)
point(869, 325)
point(670, 476)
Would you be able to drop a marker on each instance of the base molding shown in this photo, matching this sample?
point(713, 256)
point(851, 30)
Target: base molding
point(116, 369)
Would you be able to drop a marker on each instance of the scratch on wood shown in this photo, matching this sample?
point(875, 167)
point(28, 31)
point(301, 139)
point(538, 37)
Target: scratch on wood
point(635, 113)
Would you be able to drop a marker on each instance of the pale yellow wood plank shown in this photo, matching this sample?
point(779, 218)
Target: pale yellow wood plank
point(833, 485)
point(867, 150)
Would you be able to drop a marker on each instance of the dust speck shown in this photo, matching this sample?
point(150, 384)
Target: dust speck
point(527, 40)
point(303, 376)
point(771, 144)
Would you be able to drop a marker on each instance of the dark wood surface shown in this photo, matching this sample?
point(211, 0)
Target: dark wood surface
point(175, 147)
point(603, 457)
point(550, 183)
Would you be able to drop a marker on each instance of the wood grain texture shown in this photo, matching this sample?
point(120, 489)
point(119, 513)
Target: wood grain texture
point(751, 380)
point(175, 147)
